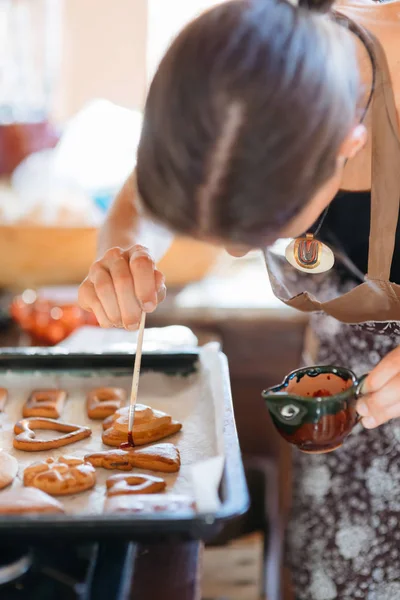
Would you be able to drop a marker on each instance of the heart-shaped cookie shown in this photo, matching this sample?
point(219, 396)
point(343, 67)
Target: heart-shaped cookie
point(26, 439)
point(150, 425)
point(121, 485)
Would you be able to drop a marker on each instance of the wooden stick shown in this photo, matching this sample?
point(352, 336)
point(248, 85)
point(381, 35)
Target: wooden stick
point(136, 372)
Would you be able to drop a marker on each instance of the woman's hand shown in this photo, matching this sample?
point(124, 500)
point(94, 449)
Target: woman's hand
point(121, 285)
point(382, 392)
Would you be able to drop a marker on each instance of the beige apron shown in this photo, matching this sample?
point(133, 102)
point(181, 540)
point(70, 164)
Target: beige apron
point(343, 536)
point(377, 299)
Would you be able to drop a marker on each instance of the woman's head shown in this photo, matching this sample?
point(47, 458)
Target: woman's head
point(248, 121)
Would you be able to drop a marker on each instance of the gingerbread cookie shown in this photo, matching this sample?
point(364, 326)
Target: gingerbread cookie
point(145, 504)
point(61, 477)
point(150, 426)
point(8, 469)
point(3, 398)
point(28, 500)
point(103, 402)
point(120, 485)
point(111, 459)
point(45, 403)
point(26, 439)
point(159, 457)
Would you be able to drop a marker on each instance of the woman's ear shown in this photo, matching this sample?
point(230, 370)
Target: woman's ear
point(354, 142)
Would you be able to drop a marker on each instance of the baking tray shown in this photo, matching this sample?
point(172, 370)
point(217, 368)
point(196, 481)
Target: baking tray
point(233, 492)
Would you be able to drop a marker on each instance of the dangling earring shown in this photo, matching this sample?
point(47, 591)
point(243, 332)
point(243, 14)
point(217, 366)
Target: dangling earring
point(308, 254)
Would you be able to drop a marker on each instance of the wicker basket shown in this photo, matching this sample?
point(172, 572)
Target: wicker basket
point(39, 256)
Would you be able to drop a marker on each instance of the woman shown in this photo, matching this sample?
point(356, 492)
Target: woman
point(259, 113)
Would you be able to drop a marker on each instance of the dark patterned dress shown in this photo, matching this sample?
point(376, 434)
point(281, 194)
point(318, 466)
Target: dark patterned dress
point(343, 539)
point(344, 533)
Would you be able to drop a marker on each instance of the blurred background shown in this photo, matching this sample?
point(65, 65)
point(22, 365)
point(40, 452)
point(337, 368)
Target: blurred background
point(73, 81)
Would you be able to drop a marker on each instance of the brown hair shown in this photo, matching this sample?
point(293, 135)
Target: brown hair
point(245, 117)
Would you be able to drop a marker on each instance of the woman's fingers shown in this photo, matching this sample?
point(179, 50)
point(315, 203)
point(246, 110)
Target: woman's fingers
point(378, 407)
point(121, 285)
point(103, 285)
point(161, 289)
point(129, 308)
point(381, 401)
point(142, 268)
point(88, 300)
point(388, 367)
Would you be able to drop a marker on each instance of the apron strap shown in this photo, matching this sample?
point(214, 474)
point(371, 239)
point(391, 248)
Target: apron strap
point(385, 190)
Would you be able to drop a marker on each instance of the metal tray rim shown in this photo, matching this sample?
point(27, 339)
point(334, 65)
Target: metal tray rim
point(175, 359)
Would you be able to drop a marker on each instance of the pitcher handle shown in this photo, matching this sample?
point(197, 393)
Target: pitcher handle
point(360, 384)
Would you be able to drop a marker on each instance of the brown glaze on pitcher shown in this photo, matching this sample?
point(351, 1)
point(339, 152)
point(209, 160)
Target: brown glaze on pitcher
point(314, 407)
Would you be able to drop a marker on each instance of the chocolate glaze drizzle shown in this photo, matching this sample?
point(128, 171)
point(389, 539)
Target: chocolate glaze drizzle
point(129, 444)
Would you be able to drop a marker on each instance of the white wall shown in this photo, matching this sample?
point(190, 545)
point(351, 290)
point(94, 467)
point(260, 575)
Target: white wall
point(165, 19)
point(111, 48)
point(104, 53)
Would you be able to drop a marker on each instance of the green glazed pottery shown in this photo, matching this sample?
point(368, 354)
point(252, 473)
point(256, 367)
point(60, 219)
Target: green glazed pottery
point(314, 407)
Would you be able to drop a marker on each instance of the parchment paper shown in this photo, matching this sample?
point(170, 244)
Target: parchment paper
point(196, 400)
